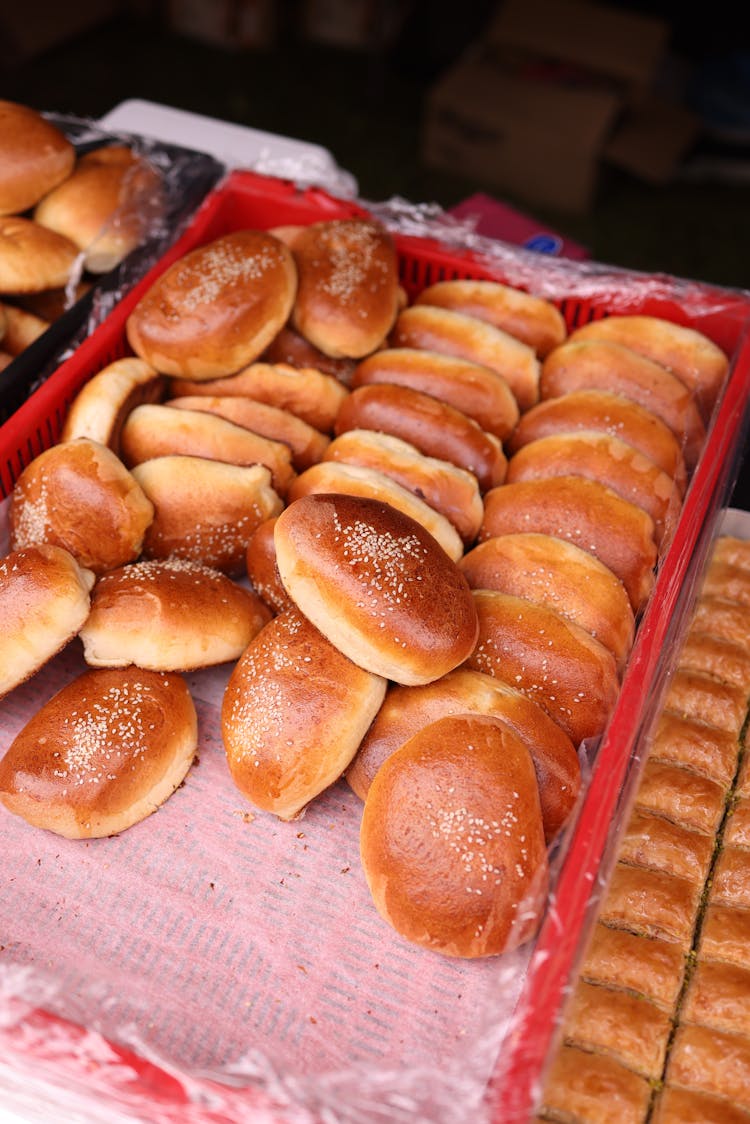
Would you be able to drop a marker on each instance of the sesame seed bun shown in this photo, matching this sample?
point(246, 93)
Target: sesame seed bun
point(169, 615)
point(377, 585)
point(293, 714)
point(105, 752)
point(34, 157)
point(44, 601)
point(451, 839)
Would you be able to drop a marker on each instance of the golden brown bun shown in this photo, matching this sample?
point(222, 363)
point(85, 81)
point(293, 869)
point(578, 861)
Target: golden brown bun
point(377, 585)
point(52, 303)
point(159, 431)
point(560, 576)
point(406, 710)
point(347, 297)
point(479, 392)
point(583, 512)
point(293, 350)
point(293, 713)
point(260, 562)
point(353, 480)
point(33, 258)
point(433, 427)
point(601, 365)
point(102, 404)
point(80, 496)
point(448, 489)
point(307, 444)
point(451, 842)
point(104, 206)
point(205, 510)
point(466, 337)
point(105, 752)
point(21, 328)
point(609, 413)
point(44, 600)
point(686, 352)
point(217, 308)
point(303, 391)
point(531, 319)
point(598, 456)
point(169, 615)
point(550, 659)
point(5, 360)
point(34, 157)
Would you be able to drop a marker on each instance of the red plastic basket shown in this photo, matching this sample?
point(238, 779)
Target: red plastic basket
point(249, 200)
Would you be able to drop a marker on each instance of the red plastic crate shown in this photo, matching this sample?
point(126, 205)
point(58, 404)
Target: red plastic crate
point(249, 200)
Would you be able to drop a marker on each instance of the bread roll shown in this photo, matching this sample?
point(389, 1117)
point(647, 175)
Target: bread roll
point(451, 841)
point(352, 480)
point(608, 413)
point(306, 443)
point(217, 308)
point(21, 329)
point(377, 585)
point(159, 431)
point(33, 258)
point(105, 752)
point(598, 456)
point(466, 337)
point(44, 600)
point(347, 297)
point(448, 489)
point(479, 392)
point(290, 349)
point(293, 713)
point(50, 304)
point(36, 156)
point(560, 576)
point(5, 360)
point(433, 427)
point(586, 513)
point(105, 205)
point(169, 615)
point(80, 496)
point(551, 660)
point(406, 710)
point(305, 392)
point(531, 319)
point(687, 353)
point(102, 404)
point(260, 562)
point(601, 365)
point(205, 510)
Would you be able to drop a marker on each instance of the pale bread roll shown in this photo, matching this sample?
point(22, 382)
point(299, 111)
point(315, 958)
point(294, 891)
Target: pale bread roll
point(217, 308)
point(531, 319)
point(205, 511)
point(444, 486)
point(304, 391)
point(293, 714)
point(560, 576)
point(466, 337)
point(406, 710)
point(353, 480)
point(44, 601)
point(36, 156)
point(101, 406)
point(169, 615)
point(377, 585)
point(80, 496)
point(479, 392)
point(451, 841)
point(105, 752)
point(156, 430)
point(550, 659)
point(33, 258)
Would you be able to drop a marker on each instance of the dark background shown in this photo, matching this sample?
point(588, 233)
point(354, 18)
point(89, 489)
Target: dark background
point(366, 105)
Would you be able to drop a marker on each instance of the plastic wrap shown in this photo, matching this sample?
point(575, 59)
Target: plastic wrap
point(214, 964)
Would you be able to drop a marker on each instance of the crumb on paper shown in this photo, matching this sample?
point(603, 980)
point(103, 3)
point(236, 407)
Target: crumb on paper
point(312, 1019)
point(246, 817)
point(302, 968)
point(345, 869)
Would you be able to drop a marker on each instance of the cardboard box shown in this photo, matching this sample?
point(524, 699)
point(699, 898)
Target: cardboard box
point(554, 88)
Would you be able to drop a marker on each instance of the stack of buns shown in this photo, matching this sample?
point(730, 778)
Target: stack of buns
point(64, 220)
point(447, 549)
